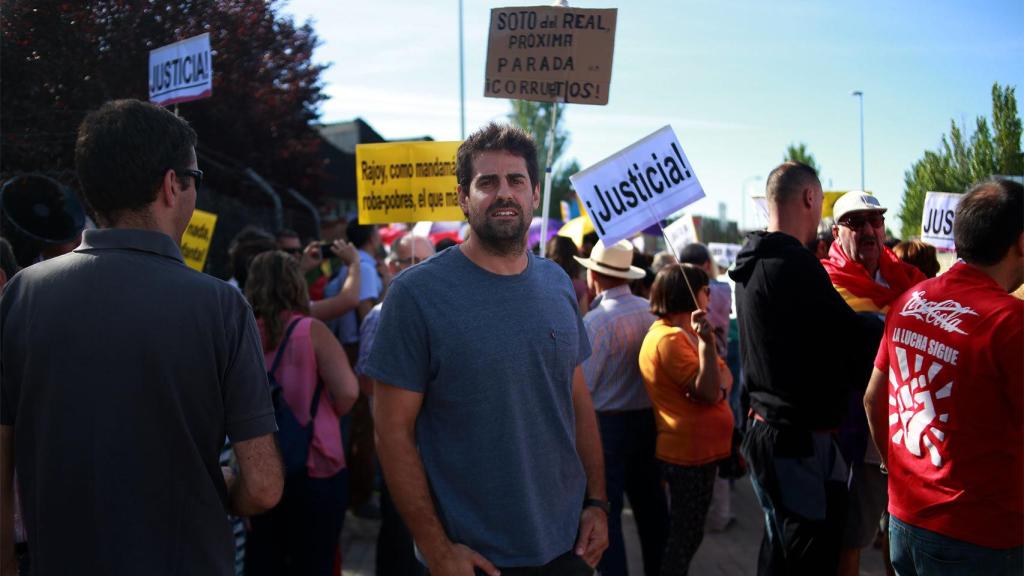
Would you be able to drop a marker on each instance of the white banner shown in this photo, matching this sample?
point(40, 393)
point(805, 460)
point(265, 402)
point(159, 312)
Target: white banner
point(724, 254)
point(937, 219)
point(638, 186)
point(680, 233)
point(181, 72)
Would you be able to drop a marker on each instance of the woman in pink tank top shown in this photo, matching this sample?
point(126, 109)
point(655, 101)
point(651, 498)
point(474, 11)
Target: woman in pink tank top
point(300, 535)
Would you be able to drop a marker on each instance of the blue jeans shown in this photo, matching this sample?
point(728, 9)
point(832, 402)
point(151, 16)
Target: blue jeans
point(919, 552)
point(630, 468)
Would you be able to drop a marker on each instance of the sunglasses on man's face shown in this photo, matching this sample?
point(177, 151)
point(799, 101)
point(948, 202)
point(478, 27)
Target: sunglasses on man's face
point(857, 222)
point(196, 175)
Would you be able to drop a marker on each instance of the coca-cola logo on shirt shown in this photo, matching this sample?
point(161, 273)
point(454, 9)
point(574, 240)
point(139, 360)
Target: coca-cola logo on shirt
point(946, 314)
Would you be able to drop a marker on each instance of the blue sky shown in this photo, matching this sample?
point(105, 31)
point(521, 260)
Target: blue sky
point(738, 80)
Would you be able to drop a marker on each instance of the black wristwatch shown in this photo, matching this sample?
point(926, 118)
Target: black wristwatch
point(602, 504)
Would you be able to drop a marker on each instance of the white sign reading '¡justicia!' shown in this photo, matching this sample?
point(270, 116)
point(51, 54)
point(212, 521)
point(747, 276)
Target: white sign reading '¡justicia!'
point(937, 219)
point(181, 72)
point(638, 186)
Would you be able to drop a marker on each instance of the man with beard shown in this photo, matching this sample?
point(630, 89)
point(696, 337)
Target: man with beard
point(485, 428)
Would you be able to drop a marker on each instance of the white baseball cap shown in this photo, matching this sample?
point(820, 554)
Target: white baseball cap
point(856, 201)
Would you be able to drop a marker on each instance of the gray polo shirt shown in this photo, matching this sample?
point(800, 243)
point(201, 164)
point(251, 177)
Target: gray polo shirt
point(121, 371)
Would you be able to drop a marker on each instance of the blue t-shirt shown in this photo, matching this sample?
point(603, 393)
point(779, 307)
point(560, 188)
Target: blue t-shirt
point(493, 357)
point(346, 327)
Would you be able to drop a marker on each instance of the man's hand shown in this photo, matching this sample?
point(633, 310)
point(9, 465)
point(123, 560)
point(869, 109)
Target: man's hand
point(459, 560)
point(311, 257)
point(346, 252)
point(593, 538)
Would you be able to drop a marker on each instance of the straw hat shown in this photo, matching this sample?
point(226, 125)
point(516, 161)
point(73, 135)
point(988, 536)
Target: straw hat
point(614, 260)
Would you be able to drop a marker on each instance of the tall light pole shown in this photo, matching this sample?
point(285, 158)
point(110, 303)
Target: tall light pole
point(462, 81)
point(860, 95)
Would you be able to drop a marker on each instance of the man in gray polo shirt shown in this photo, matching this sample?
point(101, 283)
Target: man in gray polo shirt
point(485, 429)
point(122, 370)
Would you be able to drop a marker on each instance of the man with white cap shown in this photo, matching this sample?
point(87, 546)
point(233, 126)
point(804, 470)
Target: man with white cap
point(869, 277)
point(616, 327)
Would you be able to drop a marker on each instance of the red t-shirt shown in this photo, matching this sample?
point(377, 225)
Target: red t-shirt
point(954, 353)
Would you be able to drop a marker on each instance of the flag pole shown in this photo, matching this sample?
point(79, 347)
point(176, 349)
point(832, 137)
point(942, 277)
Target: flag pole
point(545, 199)
point(675, 253)
point(545, 208)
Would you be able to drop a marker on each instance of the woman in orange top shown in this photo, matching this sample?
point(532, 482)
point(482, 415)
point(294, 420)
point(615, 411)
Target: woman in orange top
point(689, 385)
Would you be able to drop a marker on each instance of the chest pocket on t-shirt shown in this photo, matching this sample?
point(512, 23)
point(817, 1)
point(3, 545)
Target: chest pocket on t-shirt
point(561, 346)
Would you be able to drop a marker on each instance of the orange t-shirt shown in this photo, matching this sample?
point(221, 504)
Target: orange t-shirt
point(690, 433)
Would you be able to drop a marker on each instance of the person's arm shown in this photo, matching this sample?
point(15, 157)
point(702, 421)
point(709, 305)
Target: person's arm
point(348, 297)
point(364, 307)
point(8, 558)
point(260, 480)
point(394, 413)
point(876, 405)
point(332, 365)
point(708, 384)
point(385, 279)
point(593, 534)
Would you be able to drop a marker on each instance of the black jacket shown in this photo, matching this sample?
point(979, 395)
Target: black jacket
point(803, 349)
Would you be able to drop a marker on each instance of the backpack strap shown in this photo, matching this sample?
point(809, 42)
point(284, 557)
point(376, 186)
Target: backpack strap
point(284, 344)
point(277, 358)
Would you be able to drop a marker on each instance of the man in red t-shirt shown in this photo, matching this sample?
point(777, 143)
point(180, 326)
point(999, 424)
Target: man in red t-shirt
point(950, 422)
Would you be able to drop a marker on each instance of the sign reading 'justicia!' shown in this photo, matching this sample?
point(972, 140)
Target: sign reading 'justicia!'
point(638, 186)
point(181, 72)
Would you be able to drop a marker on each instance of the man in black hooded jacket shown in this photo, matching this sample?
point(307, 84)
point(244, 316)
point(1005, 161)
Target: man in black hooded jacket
point(799, 343)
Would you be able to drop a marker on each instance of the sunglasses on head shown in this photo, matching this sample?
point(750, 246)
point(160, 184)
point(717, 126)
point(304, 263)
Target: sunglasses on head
point(856, 222)
point(196, 175)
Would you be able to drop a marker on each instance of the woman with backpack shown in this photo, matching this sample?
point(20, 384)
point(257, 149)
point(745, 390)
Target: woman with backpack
point(312, 384)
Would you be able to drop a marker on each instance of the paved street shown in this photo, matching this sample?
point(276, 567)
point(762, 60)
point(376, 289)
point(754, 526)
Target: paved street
point(729, 553)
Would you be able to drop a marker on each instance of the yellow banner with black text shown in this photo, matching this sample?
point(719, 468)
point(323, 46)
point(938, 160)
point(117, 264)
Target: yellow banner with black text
point(407, 182)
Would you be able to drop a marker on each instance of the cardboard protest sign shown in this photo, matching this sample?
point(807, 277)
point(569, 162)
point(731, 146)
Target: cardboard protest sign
point(937, 219)
point(681, 232)
point(638, 186)
point(550, 54)
point(407, 182)
point(181, 72)
point(195, 243)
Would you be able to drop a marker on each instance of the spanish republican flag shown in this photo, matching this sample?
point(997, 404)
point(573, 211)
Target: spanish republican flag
point(859, 290)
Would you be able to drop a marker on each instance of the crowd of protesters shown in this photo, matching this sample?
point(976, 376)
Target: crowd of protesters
point(503, 406)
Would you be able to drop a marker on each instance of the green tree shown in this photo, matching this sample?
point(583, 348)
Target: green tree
point(800, 153)
point(535, 118)
point(959, 162)
point(59, 59)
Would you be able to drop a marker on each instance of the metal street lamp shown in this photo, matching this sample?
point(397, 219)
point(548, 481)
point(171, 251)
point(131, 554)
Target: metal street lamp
point(860, 95)
point(462, 80)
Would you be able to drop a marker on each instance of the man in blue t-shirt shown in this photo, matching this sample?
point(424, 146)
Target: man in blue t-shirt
point(485, 428)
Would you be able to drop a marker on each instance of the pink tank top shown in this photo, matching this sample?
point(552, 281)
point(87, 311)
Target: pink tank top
point(297, 374)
